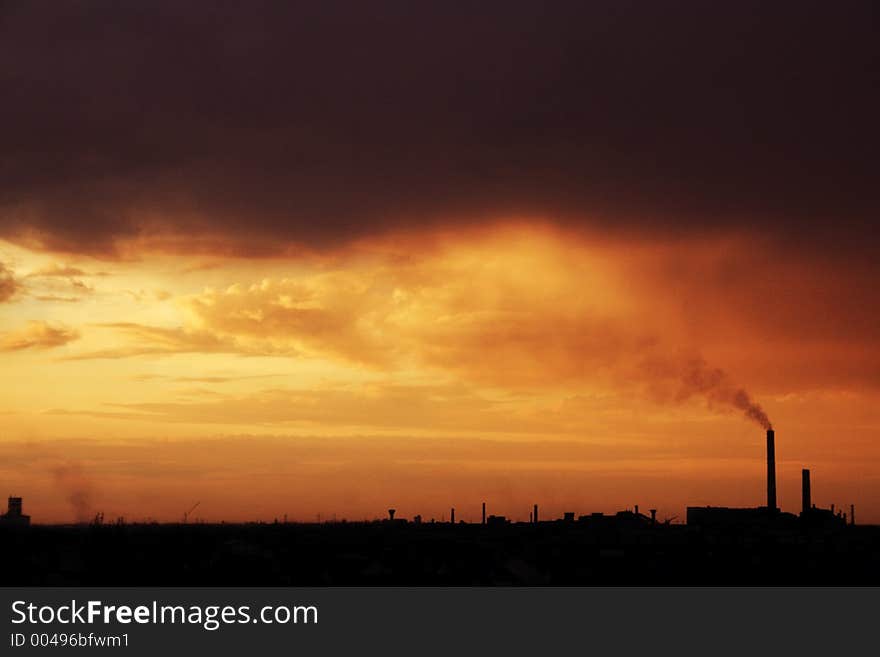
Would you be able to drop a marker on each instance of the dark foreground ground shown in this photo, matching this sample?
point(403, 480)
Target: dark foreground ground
point(382, 553)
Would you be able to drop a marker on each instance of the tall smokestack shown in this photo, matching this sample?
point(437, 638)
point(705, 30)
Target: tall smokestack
point(771, 470)
point(806, 503)
point(535, 514)
point(452, 515)
point(484, 513)
point(852, 514)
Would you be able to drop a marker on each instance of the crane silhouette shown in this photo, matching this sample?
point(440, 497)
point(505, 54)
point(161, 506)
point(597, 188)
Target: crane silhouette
point(186, 513)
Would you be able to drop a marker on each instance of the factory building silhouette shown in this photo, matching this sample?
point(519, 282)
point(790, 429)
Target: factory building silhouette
point(770, 513)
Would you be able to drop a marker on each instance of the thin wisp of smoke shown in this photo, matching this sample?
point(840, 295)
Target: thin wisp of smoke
point(77, 488)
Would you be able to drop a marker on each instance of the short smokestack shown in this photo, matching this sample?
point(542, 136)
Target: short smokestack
point(771, 470)
point(535, 514)
point(637, 509)
point(452, 515)
point(484, 513)
point(653, 516)
point(806, 501)
point(391, 514)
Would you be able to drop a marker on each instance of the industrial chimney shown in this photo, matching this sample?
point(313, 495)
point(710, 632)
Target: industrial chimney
point(535, 515)
point(484, 513)
point(452, 515)
point(806, 503)
point(391, 514)
point(771, 470)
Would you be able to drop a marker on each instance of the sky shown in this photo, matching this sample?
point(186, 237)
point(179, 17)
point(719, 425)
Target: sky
point(322, 261)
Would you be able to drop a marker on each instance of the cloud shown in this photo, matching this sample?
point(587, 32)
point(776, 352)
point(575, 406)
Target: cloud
point(156, 340)
point(202, 379)
point(56, 270)
point(436, 115)
point(388, 405)
point(57, 298)
point(38, 335)
point(534, 308)
point(141, 296)
point(221, 379)
point(9, 286)
point(491, 310)
point(59, 283)
point(338, 314)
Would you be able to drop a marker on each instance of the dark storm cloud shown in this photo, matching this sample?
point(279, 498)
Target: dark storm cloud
point(257, 124)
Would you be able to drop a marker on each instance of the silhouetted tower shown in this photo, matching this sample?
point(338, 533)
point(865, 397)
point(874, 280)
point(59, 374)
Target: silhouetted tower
point(535, 514)
point(452, 515)
point(14, 515)
point(852, 514)
point(391, 514)
point(484, 513)
point(653, 516)
point(806, 501)
point(771, 470)
point(637, 509)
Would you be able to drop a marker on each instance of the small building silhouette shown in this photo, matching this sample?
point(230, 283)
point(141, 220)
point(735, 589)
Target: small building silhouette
point(14, 515)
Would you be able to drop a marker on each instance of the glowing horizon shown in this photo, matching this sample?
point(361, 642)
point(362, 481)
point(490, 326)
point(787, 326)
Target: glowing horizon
point(420, 371)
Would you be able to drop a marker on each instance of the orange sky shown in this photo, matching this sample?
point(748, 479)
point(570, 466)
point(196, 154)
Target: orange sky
point(515, 362)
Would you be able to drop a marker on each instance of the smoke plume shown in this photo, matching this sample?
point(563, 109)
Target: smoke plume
point(77, 488)
point(693, 377)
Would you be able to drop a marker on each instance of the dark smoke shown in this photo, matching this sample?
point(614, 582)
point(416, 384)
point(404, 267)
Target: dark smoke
point(695, 378)
point(77, 488)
